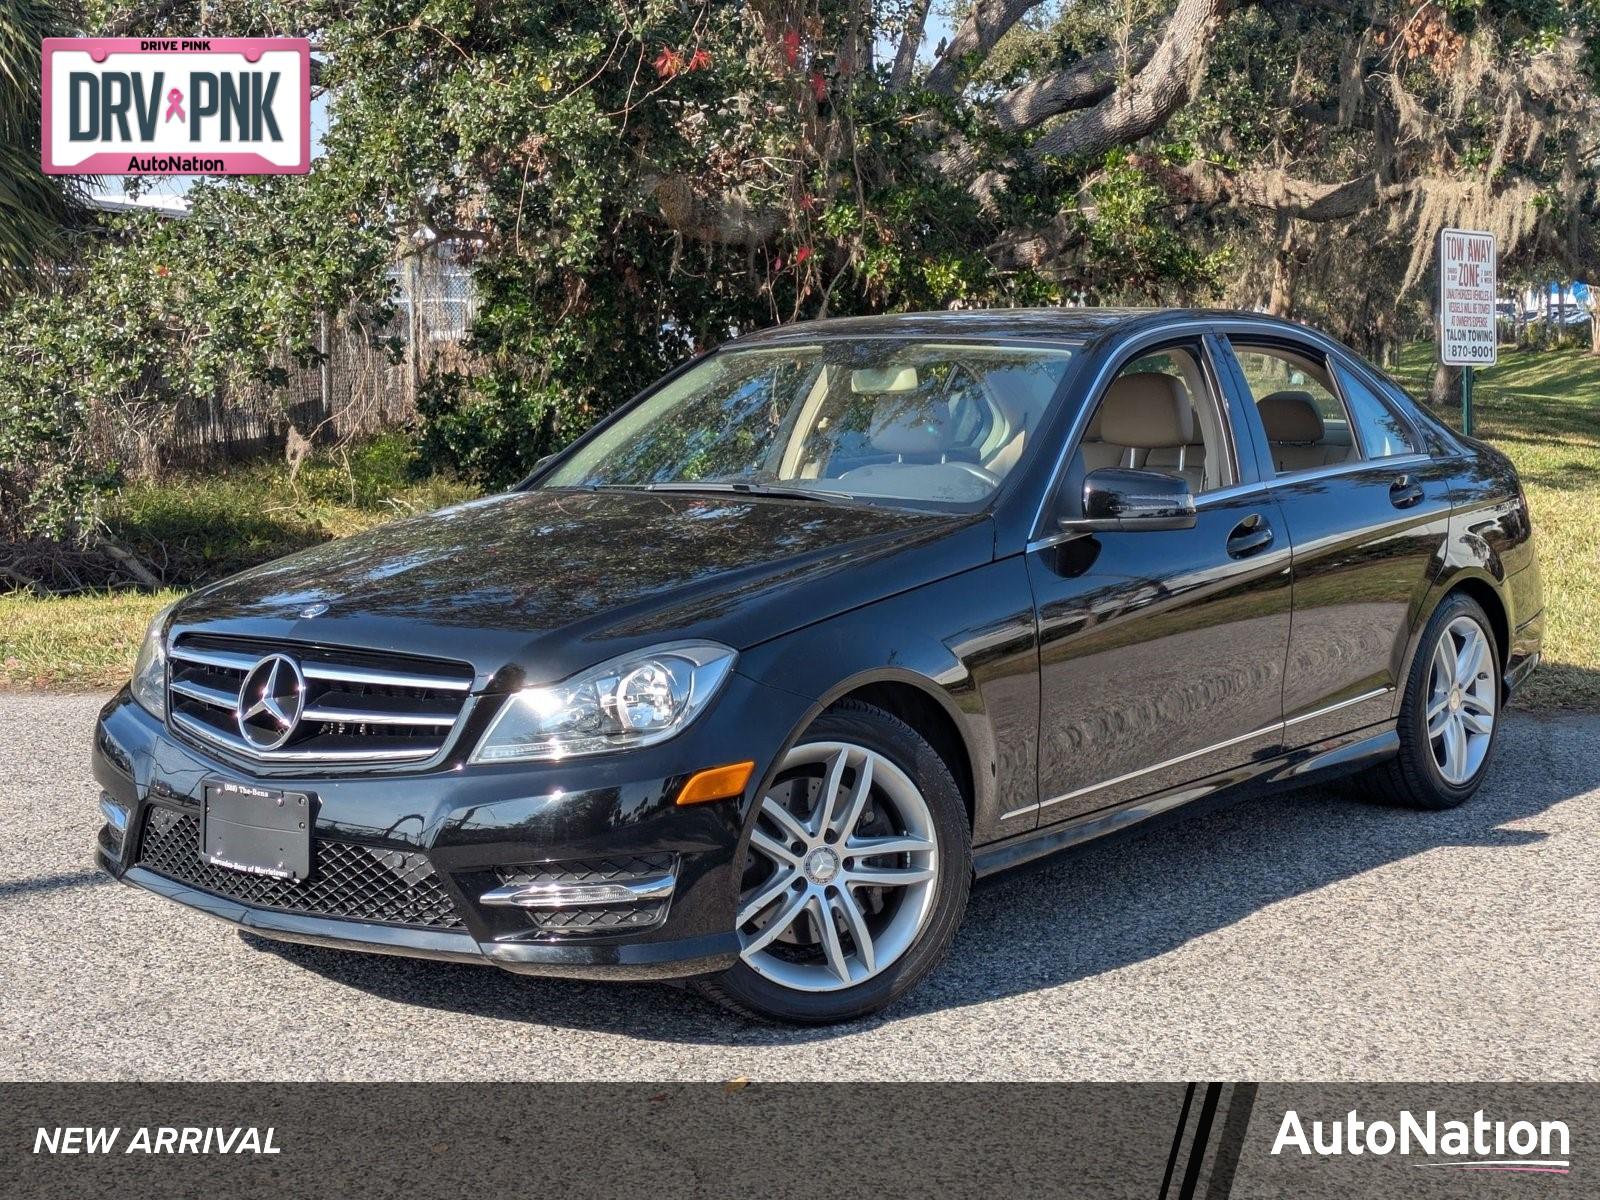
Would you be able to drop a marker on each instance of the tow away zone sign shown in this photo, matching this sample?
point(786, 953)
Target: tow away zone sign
point(1467, 267)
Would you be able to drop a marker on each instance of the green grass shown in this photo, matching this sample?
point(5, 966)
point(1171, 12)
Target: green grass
point(1542, 407)
point(196, 528)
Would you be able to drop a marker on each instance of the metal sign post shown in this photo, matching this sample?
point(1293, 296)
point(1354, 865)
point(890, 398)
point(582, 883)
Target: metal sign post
point(1468, 261)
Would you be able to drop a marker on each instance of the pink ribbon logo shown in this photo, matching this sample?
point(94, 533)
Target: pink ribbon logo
point(175, 105)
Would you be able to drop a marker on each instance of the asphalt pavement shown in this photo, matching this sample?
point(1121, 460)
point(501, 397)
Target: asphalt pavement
point(1303, 937)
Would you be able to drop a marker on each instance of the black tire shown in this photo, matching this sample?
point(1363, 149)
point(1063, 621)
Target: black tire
point(750, 993)
point(1413, 778)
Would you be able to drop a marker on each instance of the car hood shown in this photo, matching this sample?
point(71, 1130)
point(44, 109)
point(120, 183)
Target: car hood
point(531, 586)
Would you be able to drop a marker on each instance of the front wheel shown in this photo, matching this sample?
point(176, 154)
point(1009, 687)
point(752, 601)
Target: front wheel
point(1450, 718)
point(856, 875)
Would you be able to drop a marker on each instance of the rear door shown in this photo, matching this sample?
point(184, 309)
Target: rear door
point(1161, 651)
point(1367, 514)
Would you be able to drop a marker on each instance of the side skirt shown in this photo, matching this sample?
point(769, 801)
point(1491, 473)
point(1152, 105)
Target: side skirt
point(1308, 764)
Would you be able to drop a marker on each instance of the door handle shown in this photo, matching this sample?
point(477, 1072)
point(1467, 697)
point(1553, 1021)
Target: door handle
point(1404, 492)
point(1250, 536)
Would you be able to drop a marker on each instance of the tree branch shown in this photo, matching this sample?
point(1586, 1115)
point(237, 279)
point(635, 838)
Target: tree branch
point(1085, 82)
point(985, 25)
point(1271, 189)
point(724, 220)
point(1150, 97)
point(905, 55)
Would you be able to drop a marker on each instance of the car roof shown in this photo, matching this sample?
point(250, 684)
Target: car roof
point(1077, 325)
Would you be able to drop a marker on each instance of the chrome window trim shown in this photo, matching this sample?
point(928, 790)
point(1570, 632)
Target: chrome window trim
point(1275, 727)
point(1235, 491)
point(1232, 492)
point(1341, 355)
point(1350, 468)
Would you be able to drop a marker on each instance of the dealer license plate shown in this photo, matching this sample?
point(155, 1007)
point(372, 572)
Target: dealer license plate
point(260, 831)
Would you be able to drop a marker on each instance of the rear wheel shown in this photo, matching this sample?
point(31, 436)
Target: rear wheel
point(856, 875)
point(1449, 721)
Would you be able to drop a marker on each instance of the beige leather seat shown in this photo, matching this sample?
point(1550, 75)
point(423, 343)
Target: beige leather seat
point(1147, 420)
point(1296, 433)
point(1096, 451)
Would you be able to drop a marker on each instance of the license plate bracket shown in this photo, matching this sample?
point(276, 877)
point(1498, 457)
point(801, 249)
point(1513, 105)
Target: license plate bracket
point(259, 831)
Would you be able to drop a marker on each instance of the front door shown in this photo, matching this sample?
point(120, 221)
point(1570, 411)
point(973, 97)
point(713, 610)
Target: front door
point(1162, 652)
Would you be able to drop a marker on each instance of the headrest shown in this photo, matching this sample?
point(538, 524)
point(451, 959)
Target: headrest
point(870, 381)
point(1148, 411)
point(1290, 417)
point(901, 425)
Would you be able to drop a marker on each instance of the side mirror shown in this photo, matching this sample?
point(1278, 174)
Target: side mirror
point(1119, 498)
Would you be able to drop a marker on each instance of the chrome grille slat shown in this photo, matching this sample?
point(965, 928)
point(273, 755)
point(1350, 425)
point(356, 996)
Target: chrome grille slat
point(216, 658)
point(358, 705)
point(204, 694)
point(239, 746)
point(361, 716)
point(440, 683)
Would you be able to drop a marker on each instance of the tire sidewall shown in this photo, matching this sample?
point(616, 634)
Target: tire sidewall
point(879, 731)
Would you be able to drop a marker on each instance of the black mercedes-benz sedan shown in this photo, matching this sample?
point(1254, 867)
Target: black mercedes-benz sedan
point(749, 683)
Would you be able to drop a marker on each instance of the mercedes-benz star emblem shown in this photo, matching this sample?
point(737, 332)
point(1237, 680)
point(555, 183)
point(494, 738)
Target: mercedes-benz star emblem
point(270, 702)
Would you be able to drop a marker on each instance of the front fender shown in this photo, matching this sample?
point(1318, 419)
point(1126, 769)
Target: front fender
point(967, 643)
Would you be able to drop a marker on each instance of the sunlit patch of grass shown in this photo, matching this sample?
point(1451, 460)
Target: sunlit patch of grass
point(1542, 407)
point(73, 642)
point(194, 528)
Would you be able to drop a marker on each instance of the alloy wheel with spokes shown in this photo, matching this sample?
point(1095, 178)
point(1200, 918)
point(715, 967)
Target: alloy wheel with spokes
point(1447, 724)
point(1462, 691)
point(843, 866)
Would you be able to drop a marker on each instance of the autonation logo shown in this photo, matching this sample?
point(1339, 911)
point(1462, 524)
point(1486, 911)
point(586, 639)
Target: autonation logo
point(1479, 1144)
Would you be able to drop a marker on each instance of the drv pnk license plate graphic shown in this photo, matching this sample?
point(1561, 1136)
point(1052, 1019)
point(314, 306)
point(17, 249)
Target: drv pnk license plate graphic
point(176, 106)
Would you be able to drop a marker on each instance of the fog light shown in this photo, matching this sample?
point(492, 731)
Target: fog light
point(716, 783)
point(116, 822)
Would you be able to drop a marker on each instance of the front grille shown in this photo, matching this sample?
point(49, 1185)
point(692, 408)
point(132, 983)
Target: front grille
point(357, 705)
point(599, 919)
point(357, 882)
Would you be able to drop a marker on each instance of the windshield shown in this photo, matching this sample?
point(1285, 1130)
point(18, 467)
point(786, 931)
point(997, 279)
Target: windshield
point(885, 419)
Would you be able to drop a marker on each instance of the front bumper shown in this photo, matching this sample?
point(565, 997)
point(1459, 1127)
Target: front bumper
point(402, 861)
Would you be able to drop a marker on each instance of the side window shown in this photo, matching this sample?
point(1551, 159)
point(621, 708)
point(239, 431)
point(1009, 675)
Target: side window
point(1159, 413)
point(1306, 423)
point(1383, 433)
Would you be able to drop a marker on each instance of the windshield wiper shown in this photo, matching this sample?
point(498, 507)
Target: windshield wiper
point(776, 491)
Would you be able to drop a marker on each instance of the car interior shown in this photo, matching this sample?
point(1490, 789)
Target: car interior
point(1304, 419)
point(946, 428)
point(1148, 419)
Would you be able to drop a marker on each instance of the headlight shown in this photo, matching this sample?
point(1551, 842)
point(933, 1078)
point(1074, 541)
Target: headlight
point(149, 683)
point(636, 700)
